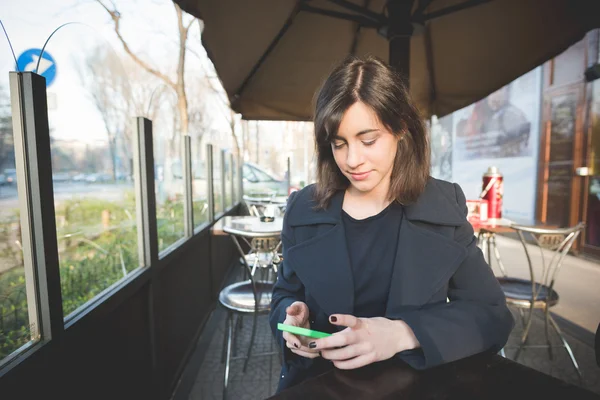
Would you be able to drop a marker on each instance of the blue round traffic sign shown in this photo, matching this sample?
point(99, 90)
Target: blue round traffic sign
point(29, 60)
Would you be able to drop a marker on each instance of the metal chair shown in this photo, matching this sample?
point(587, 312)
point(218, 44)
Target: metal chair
point(531, 294)
point(243, 298)
point(264, 254)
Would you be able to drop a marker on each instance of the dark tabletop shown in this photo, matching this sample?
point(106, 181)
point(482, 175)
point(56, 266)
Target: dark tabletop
point(477, 377)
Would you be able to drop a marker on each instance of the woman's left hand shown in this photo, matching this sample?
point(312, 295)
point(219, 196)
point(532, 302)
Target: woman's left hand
point(364, 341)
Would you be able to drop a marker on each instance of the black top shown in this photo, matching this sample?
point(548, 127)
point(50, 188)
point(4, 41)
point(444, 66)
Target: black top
point(372, 244)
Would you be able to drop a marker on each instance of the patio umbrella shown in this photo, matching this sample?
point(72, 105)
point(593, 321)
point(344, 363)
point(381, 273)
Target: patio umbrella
point(272, 55)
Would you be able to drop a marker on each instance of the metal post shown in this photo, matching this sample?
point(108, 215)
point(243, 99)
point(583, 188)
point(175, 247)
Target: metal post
point(399, 35)
point(231, 182)
point(36, 205)
point(209, 182)
point(145, 196)
point(145, 199)
point(188, 205)
point(223, 184)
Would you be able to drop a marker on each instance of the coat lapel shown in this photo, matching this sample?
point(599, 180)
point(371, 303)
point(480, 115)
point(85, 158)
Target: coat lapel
point(322, 263)
point(425, 260)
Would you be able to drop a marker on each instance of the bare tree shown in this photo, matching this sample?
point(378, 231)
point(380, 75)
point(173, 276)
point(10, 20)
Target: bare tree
point(120, 91)
point(177, 84)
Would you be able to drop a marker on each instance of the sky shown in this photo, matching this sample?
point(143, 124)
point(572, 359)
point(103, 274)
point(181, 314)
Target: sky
point(149, 27)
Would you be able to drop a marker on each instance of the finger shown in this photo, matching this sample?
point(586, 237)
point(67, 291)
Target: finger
point(345, 353)
point(338, 339)
point(345, 320)
point(301, 348)
point(356, 362)
point(292, 340)
point(295, 309)
point(305, 353)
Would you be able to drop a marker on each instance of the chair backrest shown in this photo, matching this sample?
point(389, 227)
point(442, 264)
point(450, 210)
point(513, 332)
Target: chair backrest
point(259, 206)
point(270, 243)
point(556, 241)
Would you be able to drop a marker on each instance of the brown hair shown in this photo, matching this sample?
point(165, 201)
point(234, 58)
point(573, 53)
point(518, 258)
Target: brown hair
point(377, 85)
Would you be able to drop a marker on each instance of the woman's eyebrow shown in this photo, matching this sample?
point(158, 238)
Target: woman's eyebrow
point(363, 132)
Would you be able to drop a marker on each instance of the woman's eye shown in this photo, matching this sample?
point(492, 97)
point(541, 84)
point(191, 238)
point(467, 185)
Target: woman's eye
point(369, 143)
point(338, 145)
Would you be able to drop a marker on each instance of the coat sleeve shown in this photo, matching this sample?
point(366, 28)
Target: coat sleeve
point(476, 319)
point(286, 290)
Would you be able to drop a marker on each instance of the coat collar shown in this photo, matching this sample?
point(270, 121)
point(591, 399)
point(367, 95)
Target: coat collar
point(433, 206)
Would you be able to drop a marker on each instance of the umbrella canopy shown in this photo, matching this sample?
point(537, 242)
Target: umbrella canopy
point(272, 55)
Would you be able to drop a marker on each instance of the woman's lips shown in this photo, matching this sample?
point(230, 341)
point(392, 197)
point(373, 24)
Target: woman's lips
point(360, 177)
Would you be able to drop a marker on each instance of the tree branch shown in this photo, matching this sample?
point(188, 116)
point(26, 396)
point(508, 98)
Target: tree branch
point(116, 17)
point(187, 28)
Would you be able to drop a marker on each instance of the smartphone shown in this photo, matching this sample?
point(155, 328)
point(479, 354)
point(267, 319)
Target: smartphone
point(302, 331)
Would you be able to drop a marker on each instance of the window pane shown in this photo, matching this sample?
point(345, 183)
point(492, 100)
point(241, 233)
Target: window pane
point(199, 184)
point(14, 315)
point(217, 185)
point(169, 182)
point(248, 174)
point(92, 134)
point(228, 192)
point(236, 173)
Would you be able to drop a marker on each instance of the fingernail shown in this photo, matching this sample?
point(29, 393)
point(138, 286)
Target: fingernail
point(333, 319)
point(312, 345)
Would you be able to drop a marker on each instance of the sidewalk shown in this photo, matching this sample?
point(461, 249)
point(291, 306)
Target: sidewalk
point(577, 283)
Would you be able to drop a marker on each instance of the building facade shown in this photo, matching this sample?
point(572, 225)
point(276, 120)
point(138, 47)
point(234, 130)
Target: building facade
point(543, 132)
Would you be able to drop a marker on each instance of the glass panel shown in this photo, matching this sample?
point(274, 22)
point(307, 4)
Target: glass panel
point(199, 184)
point(236, 172)
point(90, 111)
point(217, 185)
point(170, 186)
point(228, 192)
point(14, 316)
point(441, 147)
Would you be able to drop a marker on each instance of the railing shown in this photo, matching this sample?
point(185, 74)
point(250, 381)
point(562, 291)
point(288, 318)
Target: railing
point(37, 298)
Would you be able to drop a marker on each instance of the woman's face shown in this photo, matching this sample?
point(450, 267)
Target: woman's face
point(364, 150)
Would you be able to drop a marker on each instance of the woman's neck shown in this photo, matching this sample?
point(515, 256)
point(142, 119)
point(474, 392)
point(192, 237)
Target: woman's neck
point(362, 205)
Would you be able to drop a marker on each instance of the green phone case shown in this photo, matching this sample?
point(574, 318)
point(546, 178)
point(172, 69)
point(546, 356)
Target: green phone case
point(302, 331)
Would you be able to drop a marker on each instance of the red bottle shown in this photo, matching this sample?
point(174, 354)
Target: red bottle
point(492, 191)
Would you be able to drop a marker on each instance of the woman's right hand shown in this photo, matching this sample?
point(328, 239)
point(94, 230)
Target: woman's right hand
point(297, 315)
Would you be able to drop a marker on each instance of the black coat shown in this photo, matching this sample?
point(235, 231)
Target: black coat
point(441, 285)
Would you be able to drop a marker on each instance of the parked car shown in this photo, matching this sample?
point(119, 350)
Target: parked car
point(98, 177)
point(256, 180)
point(11, 176)
point(79, 178)
point(60, 177)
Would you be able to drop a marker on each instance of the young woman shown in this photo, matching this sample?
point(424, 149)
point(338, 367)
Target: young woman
point(377, 252)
